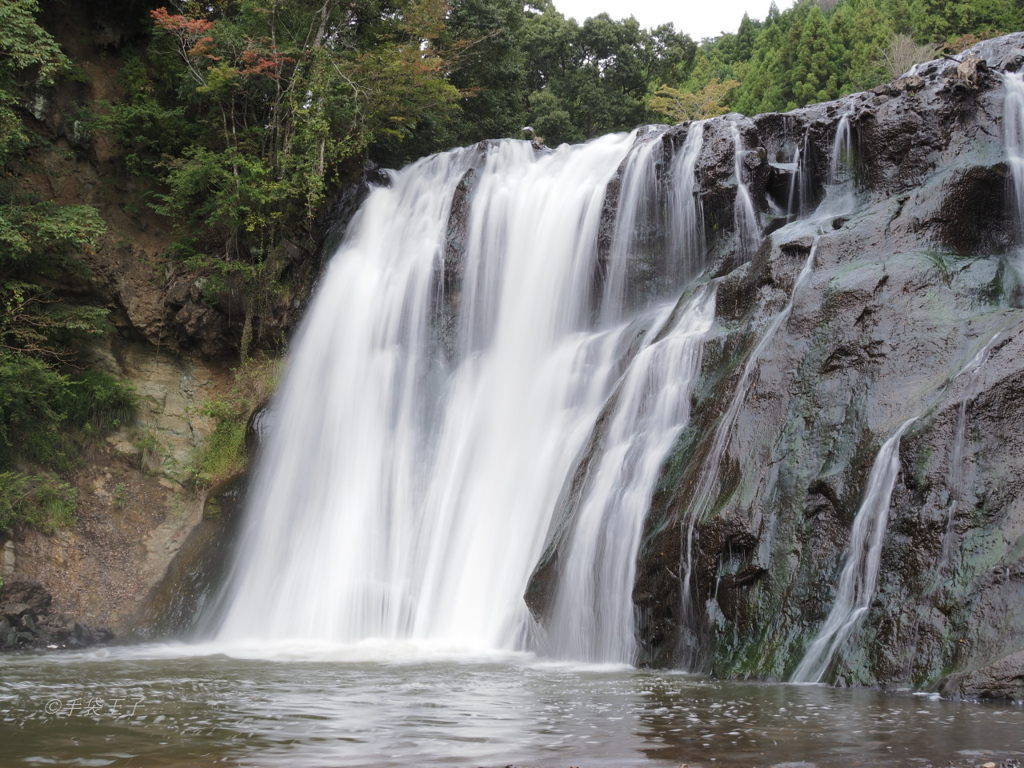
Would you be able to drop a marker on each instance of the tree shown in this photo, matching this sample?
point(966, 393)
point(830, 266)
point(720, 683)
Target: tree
point(902, 53)
point(488, 67)
point(284, 94)
point(679, 106)
point(31, 59)
point(937, 21)
point(597, 77)
point(44, 403)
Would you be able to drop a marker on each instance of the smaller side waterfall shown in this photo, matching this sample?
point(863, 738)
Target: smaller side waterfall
point(956, 470)
point(593, 614)
point(795, 197)
point(638, 194)
point(841, 163)
point(708, 481)
point(1013, 139)
point(688, 219)
point(841, 187)
point(860, 574)
point(748, 231)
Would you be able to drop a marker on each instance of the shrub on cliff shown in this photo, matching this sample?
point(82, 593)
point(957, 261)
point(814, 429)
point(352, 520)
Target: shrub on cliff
point(48, 407)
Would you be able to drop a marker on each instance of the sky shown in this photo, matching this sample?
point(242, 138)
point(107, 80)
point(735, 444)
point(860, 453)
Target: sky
point(697, 18)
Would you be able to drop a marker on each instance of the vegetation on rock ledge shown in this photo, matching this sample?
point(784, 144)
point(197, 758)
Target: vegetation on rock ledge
point(48, 407)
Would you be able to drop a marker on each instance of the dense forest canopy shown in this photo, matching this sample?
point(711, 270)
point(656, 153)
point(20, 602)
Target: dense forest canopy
point(249, 111)
point(244, 115)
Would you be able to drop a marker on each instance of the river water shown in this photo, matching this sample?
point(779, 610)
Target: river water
point(403, 704)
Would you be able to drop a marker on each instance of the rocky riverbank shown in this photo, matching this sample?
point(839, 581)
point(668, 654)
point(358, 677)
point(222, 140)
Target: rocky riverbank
point(28, 621)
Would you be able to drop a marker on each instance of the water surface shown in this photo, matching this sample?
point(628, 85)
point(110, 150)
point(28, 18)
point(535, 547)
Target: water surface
point(400, 704)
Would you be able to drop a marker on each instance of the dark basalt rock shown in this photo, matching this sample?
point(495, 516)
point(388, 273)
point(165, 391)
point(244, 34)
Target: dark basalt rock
point(1004, 679)
point(336, 217)
point(27, 622)
point(31, 596)
point(184, 598)
point(906, 289)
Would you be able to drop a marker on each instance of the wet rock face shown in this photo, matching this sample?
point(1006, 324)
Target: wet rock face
point(182, 602)
point(910, 311)
point(1002, 680)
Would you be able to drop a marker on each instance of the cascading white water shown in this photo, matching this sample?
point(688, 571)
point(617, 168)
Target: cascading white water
point(794, 199)
point(592, 615)
point(841, 160)
point(748, 231)
point(687, 221)
point(840, 190)
point(860, 573)
point(406, 491)
point(1013, 140)
point(592, 618)
point(956, 470)
point(638, 192)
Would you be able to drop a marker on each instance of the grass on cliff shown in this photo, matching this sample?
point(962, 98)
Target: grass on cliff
point(41, 500)
point(225, 453)
point(47, 419)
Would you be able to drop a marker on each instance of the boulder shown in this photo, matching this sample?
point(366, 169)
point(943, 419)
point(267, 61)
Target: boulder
point(33, 595)
point(1003, 680)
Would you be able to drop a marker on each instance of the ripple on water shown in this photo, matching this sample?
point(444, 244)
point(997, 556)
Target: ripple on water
point(160, 706)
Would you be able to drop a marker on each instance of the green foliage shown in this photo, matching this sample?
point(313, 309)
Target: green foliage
point(140, 122)
point(120, 495)
point(225, 453)
point(46, 416)
point(29, 59)
point(589, 79)
point(44, 231)
point(152, 452)
point(46, 413)
point(99, 400)
point(937, 21)
point(281, 94)
point(484, 37)
point(679, 106)
point(248, 113)
point(30, 416)
point(38, 500)
point(806, 54)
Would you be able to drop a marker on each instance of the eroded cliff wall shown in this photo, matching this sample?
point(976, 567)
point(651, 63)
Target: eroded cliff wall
point(911, 310)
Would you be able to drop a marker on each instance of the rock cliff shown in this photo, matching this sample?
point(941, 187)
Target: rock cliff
point(172, 340)
point(912, 310)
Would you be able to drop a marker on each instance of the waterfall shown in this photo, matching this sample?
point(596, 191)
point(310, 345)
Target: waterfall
point(707, 481)
point(841, 187)
point(637, 194)
point(416, 463)
point(860, 573)
point(687, 221)
point(841, 162)
point(956, 470)
point(593, 615)
point(1013, 139)
point(748, 232)
point(794, 200)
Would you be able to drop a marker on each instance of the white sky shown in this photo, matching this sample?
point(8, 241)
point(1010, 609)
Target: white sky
point(697, 18)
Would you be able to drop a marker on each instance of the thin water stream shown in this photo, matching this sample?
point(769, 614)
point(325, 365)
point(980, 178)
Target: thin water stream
point(863, 561)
